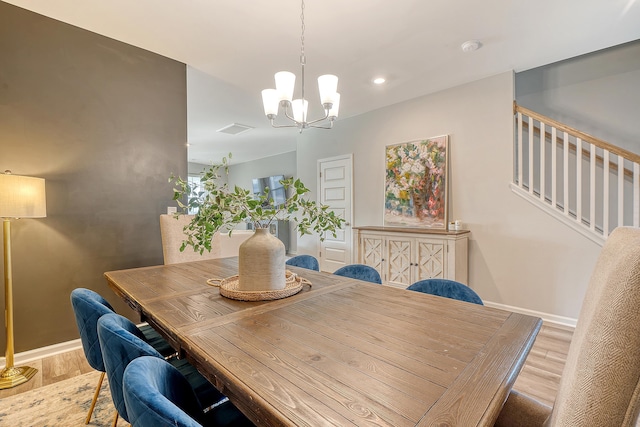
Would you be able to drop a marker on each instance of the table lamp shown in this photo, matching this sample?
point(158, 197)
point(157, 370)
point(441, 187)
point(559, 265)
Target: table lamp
point(20, 197)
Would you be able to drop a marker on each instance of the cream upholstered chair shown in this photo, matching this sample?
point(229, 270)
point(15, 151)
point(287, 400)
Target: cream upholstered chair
point(222, 246)
point(600, 385)
point(230, 245)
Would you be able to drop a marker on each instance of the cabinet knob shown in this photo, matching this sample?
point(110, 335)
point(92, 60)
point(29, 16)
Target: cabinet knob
point(347, 224)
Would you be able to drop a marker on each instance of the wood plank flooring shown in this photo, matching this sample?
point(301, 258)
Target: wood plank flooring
point(541, 373)
point(51, 370)
point(539, 377)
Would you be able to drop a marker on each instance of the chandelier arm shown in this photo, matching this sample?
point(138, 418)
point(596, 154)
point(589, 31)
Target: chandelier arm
point(323, 127)
point(326, 116)
point(283, 126)
point(286, 114)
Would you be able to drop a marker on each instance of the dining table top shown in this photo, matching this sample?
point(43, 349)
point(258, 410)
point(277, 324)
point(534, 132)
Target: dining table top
point(341, 352)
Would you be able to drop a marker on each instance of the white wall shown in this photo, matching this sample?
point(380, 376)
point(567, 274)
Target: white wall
point(518, 255)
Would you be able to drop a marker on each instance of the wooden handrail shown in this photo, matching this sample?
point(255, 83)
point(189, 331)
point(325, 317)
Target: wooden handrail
point(578, 134)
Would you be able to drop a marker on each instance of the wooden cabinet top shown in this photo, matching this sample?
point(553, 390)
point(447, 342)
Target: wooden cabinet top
point(410, 230)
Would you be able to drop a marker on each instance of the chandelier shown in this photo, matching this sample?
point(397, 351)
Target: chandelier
point(296, 109)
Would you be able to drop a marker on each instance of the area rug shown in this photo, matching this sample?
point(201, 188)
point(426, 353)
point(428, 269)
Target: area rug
point(65, 403)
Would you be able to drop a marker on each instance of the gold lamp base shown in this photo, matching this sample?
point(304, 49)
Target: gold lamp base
point(13, 376)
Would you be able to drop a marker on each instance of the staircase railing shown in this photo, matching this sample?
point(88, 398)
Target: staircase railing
point(590, 184)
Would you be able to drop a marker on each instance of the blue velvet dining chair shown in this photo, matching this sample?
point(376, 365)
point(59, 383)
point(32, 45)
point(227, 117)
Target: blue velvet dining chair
point(304, 261)
point(156, 394)
point(88, 307)
point(448, 289)
point(361, 272)
point(121, 342)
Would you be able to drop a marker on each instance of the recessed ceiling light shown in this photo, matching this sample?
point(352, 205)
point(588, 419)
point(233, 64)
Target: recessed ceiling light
point(379, 80)
point(471, 45)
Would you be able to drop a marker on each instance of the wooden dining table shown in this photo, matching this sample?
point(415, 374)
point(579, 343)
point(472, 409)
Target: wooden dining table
point(341, 352)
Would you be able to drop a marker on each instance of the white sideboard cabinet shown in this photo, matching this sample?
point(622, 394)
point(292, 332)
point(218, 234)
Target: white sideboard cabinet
point(403, 256)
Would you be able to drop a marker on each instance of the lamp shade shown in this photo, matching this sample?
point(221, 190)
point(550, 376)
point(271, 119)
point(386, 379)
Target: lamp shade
point(270, 102)
point(22, 197)
point(327, 85)
point(285, 84)
point(299, 107)
point(335, 108)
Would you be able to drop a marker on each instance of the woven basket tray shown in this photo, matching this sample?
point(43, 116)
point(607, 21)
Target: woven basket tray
point(229, 288)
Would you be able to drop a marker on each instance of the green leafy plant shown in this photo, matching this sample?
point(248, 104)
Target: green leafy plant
point(218, 207)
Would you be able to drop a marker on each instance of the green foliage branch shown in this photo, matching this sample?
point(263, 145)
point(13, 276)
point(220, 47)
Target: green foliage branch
point(220, 208)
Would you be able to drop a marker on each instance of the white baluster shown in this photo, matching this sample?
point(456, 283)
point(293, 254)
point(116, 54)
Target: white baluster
point(543, 143)
point(531, 132)
point(592, 189)
point(605, 193)
point(620, 191)
point(519, 150)
point(579, 180)
point(636, 195)
point(565, 194)
point(554, 161)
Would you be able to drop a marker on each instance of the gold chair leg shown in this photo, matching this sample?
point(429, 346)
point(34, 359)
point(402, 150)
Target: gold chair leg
point(115, 419)
point(95, 399)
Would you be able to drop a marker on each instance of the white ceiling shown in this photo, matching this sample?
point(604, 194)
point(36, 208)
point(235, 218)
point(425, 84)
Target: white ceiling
point(233, 48)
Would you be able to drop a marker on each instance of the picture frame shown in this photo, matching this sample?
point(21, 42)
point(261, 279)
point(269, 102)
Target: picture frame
point(416, 183)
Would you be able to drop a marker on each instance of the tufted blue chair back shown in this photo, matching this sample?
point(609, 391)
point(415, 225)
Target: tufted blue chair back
point(121, 342)
point(448, 289)
point(304, 261)
point(361, 272)
point(88, 307)
point(157, 394)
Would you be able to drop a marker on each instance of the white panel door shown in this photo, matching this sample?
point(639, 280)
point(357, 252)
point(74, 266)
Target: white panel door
point(335, 191)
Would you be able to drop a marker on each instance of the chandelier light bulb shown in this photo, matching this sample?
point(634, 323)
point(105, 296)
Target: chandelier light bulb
point(285, 83)
point(299, 107)
point(270, 102)
point(328, 86)
point(335, 107)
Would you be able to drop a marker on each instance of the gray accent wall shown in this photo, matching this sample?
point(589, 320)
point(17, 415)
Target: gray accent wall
point(105, 124)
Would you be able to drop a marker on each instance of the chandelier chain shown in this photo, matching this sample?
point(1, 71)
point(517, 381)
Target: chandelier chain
point(302, 34)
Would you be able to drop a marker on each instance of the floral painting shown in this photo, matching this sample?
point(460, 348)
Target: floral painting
point(415, 192)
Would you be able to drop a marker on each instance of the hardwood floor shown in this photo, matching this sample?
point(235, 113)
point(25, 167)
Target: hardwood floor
point(539, 377)
point(541, 373)
point(51, 370)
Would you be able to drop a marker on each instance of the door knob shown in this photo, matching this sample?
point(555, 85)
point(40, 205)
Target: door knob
point(347, 224)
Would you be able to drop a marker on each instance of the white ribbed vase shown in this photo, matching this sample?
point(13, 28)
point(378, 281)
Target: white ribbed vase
point(261, 262)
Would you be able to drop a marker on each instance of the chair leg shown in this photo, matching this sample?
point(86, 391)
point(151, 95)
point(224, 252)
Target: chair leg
point(115, 420)
point(95, 399)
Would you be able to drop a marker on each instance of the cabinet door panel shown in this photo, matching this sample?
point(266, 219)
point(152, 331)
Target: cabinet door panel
point(398, 255)
point(371, 251)
point(431, 258)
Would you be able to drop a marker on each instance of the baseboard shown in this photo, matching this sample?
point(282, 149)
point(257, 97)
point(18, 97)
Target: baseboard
point(562, 321)
point(42, 352)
